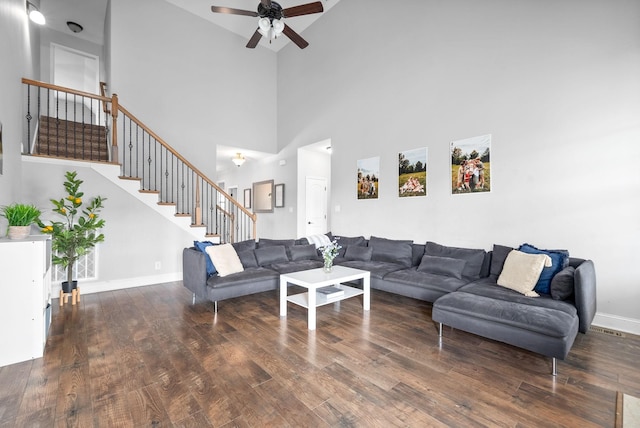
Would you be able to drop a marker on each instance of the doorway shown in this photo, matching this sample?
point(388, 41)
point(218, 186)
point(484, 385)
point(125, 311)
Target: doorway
point(316, 206)
point(314, 188)
point(77, 70)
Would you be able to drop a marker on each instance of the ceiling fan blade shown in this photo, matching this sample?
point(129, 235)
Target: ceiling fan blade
point(232, 11)
point(253, 41)
point(267, 3)
point(295, 37)
point(303, 9)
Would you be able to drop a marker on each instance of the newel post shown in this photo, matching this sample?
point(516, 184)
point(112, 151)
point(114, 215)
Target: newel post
point(114, 128)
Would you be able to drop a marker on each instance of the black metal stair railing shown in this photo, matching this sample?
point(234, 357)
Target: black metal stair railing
point(146, 157)
point(62, 122)
point(65, 123)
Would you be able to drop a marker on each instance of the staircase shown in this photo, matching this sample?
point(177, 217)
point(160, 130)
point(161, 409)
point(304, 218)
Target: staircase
point(67, 139)
point(68, 124)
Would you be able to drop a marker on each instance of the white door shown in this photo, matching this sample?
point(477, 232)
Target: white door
point(316, 206)
point(78, 70)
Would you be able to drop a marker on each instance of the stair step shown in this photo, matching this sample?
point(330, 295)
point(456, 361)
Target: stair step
point(124, 177)
point(167, 204)
point(49, 123)
point(45, 143)
point(68, 139)
point(74, 154)
point(72, 131)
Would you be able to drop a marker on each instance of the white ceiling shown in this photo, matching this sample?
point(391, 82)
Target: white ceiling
point(91, 14)
point(245, 26)
point(88, 13)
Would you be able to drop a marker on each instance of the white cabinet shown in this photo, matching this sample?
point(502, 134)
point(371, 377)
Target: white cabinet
point(25, 297)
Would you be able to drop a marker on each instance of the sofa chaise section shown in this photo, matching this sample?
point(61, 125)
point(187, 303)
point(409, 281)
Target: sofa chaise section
point(538, 324)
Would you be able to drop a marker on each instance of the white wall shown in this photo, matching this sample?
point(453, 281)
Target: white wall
point(136, 237)
point(192, 82)
point(281, 223)
point(19, 53)
point(556, 84)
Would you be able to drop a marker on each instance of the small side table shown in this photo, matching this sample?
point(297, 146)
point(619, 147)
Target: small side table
point(75, 296)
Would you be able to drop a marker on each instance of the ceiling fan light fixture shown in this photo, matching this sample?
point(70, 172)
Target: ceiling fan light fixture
point(35, 15)
point(278, 26)
point(238, 159)
point(264, 24)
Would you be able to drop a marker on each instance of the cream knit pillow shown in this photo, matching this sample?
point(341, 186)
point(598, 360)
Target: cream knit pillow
point(521, 271)
point(225, 259)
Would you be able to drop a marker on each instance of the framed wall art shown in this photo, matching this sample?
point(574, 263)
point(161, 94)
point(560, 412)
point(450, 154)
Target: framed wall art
point(263, 196)
point(412, 173)
point(368, 178)
point(0, 147)
point(471, 165)
point(247, 198)
point(279, 189)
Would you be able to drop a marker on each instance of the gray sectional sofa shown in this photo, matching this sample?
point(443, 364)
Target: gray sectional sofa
point(462, 284)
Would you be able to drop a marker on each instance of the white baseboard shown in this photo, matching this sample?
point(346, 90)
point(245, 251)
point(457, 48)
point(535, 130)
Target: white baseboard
point(90, 287)
point(615, 322)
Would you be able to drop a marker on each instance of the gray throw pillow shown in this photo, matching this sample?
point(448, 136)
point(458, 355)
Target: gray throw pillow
point(391, 250)
point(362, 254)
point(442, 266)
point(249, 244)
point(473, 257)
point(498, 256)
point(562, 284)
point(303, 252)
point(248, 259)
point(276, 242)
point(270, 255)
point(347, 241)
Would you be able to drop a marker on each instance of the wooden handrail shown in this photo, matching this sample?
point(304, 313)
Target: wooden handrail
point(126, 112)
point(64, 89)
point(103, 92)
point(115, 108)
point(232, 220)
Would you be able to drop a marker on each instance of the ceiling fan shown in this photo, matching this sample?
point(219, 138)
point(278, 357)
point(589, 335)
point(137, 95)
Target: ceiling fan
point(270, 24)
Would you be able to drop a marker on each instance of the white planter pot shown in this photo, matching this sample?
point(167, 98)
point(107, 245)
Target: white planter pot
point(19, 232)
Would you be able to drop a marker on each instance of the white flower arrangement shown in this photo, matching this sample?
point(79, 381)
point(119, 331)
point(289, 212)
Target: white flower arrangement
point(330, 251)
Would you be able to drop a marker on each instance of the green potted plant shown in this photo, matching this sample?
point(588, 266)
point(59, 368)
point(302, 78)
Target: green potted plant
point(20, 218)
point(78, 232)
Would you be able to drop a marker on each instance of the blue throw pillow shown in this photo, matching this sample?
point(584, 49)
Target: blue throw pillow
point(559, 259)
point(201, 245)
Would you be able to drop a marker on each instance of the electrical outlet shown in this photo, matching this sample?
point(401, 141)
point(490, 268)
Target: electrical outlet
point(158, 265)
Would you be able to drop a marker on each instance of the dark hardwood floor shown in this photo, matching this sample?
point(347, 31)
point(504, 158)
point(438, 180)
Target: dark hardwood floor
point(146, 357)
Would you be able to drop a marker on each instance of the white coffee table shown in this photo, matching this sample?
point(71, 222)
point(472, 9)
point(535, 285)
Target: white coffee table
point(316, 278)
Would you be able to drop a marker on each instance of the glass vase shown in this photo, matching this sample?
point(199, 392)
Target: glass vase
point(328, 264)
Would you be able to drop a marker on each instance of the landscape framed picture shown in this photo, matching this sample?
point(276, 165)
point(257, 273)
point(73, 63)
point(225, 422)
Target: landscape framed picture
point(368, 175)
point(471, 165)
point(412, 173)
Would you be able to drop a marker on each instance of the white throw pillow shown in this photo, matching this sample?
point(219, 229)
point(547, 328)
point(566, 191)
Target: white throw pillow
point(521, 271)
point(225, 259)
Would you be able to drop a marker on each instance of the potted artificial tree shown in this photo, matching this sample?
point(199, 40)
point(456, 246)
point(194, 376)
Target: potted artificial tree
point(78, 232)
point(20, 218)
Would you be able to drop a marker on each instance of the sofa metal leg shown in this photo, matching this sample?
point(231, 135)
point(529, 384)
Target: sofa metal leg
point(439, 329)
point(193, 299)
point(554, 367)
point(215, 306)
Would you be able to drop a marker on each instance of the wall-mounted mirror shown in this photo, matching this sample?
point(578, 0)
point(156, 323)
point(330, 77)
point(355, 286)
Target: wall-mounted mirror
point(263, 196)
